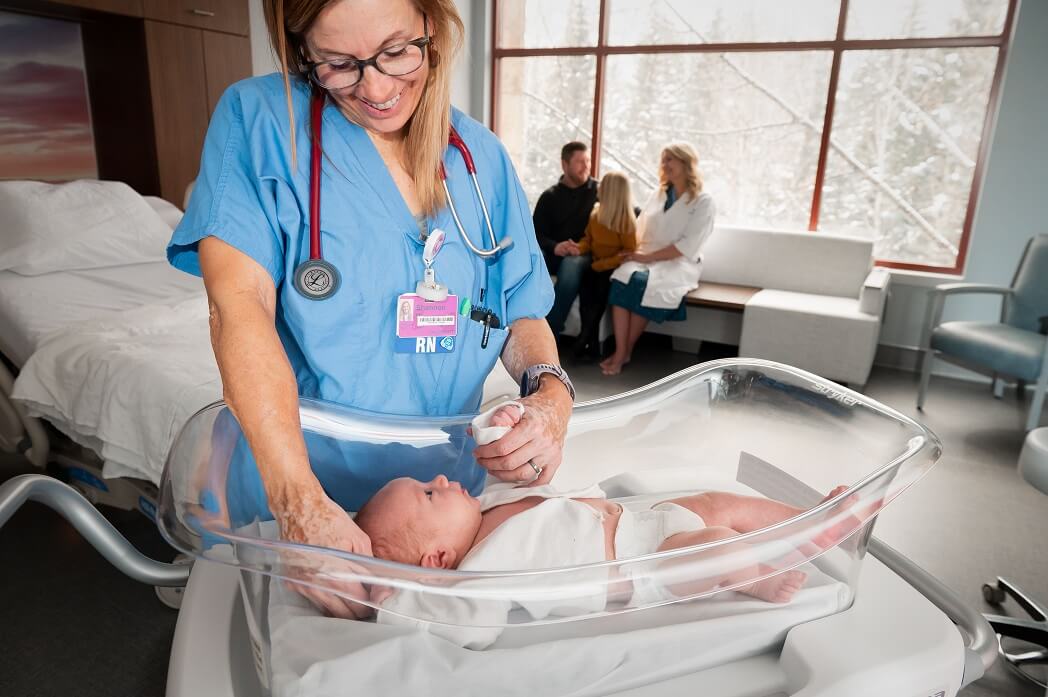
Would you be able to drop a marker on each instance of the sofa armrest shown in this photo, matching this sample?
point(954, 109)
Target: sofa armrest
point(874, 292)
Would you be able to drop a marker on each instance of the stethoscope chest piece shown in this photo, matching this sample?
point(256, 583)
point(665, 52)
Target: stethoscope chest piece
point(316, 279)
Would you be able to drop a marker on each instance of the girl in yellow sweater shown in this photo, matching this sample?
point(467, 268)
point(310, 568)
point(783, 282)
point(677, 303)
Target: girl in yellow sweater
point(610, 235)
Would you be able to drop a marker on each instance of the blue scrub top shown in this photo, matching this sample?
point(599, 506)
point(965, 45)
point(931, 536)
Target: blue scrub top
point(249, 194)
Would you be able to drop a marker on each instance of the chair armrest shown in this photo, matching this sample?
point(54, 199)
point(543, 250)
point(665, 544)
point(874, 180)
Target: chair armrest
point(937, 297)
point(957, 288)
point(874, 292)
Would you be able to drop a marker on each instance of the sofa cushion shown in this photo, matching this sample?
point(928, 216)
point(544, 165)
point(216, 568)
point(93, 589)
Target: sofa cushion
point(802, 262)
point(998, 347)
point(826, 335)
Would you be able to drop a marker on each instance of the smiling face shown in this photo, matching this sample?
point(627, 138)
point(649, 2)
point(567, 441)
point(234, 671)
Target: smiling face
point(360, 29)
point(425, 523)
point(672, 169)
point(576, 168)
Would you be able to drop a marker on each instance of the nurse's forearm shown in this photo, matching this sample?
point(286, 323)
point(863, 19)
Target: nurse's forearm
point(260, 389)
point(531, 342)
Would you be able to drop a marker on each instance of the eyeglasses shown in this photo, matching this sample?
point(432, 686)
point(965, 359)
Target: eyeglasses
point(395, 61)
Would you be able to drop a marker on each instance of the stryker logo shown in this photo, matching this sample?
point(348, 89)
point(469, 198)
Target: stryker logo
point(847, 401)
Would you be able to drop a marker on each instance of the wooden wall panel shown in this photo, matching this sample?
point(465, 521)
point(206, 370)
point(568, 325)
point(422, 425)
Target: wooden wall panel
point(132, 8)
point(227, 59)
point(214, 15)
point(121, 109)
point(180, 109)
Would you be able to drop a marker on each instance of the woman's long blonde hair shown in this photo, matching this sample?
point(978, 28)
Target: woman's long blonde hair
point(615, 210)
point(687, 154)
point(427, 130)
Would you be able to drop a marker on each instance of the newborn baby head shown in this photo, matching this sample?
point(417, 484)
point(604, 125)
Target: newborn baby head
point(429, 524)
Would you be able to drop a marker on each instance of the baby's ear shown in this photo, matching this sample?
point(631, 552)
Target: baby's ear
point(438, 558)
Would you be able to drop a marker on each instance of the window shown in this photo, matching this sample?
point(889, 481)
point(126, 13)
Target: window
point(860, 117)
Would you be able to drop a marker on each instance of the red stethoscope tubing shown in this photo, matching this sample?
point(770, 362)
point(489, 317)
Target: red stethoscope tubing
point(316, 113)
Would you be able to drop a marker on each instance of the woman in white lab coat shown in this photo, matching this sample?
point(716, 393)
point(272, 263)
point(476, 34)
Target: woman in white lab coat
point(674, 225)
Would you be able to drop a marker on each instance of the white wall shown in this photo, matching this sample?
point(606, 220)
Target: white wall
point(1013, 202)
point(264, 62)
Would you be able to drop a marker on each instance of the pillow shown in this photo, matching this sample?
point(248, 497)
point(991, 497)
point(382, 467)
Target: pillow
point(85, 224)
point(168, 212)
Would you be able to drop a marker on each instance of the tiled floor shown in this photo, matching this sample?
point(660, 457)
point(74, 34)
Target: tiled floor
point(72, 625)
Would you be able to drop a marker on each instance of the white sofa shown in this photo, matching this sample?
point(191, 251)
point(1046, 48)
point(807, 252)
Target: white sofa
point(818, 307)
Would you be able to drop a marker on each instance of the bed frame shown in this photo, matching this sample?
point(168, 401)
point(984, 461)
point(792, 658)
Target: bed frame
point(47, 448)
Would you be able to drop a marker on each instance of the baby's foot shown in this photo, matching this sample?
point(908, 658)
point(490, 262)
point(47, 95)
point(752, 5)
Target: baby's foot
point(841, 530)
point(834, 493)
point(779, 588)
point(508, 417)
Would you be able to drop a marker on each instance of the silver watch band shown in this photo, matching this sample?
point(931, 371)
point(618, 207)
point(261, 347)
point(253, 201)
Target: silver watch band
point(529, 381)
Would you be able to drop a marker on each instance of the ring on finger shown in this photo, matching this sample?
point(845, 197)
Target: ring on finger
point(538, 470)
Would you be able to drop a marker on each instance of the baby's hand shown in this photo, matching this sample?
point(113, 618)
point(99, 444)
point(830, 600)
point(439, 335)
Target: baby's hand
point(508, 417)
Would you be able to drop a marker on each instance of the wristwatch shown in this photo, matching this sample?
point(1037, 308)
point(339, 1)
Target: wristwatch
point(529, 381)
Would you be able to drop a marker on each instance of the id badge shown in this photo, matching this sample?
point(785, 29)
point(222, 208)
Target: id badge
point(424, 326)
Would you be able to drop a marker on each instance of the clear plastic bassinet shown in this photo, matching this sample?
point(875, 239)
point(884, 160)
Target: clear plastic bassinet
point(742, 425)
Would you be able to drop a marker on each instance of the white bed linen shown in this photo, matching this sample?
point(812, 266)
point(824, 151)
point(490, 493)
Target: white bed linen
point(125, 384)
point(33, 307)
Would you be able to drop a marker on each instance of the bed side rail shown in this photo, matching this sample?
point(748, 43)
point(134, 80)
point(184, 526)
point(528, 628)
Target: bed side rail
point(20, 432)
point(90, 523)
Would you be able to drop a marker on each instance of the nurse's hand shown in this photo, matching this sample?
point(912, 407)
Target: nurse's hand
point(537, 438)
point(317, 520)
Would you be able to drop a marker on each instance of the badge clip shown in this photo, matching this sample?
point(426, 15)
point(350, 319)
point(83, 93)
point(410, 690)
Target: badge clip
point(428, 288)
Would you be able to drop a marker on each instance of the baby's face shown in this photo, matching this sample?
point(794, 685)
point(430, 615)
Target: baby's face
point(443, 509)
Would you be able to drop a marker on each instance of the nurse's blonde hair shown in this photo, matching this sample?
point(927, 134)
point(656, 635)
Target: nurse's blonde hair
point(615, 210)
point(686, 153)
point(427, 130)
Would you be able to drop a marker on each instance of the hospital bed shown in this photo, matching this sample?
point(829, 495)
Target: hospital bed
point(861, 626)
point(106, 363)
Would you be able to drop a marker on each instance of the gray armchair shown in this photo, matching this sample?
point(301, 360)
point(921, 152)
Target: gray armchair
point(1015, 348)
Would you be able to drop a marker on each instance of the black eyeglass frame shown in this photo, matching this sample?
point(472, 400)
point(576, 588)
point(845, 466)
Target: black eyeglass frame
point(421, 43)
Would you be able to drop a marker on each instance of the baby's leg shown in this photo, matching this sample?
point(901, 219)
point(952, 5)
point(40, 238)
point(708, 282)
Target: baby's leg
point(735, 511)
point(779, 588)
point(742, 513)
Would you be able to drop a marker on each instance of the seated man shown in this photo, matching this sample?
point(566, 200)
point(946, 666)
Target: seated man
point(561, 215)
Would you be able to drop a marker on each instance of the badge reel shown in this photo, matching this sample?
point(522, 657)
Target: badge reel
point(428, 288)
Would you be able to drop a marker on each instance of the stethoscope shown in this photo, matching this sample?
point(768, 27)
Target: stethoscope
point(318, 279)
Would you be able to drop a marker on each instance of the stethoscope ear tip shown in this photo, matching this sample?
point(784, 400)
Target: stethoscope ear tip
point(504, 244)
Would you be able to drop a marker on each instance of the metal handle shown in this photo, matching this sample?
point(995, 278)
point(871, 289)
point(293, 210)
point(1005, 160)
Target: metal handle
point(68, 502)
point(203, 13)
point(981, 651)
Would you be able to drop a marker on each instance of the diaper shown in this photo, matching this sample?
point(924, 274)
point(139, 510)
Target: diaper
point(642, 532)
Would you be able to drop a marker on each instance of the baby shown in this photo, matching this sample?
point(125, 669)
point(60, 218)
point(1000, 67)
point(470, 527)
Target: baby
point(438, 524)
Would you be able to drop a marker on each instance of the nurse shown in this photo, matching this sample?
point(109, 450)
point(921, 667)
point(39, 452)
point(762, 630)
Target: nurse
point(382, 68)
point(673, 227)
